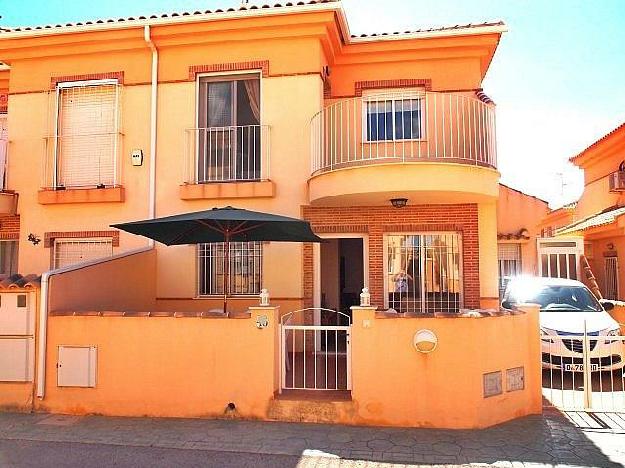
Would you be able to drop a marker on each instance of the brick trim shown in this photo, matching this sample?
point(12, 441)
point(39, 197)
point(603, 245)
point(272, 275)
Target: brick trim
point(4, 100)
point(376, 221)
point(263, 65)
point(119, 75)
point(360, 86)
point(48, 238)
point(10, 227)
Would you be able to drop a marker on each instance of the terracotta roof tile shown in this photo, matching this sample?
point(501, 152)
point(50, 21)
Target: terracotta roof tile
point(174, 14)
point(437, 29)
point(521, 234)
point(600, 219)
point(18, 281)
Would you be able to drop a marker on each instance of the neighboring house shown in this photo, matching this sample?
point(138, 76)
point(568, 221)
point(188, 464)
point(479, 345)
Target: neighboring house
point(385, 143)
point(598, 214)
point(518, 228)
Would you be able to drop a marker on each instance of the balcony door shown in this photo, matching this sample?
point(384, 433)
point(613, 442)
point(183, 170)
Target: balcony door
point(229, 133)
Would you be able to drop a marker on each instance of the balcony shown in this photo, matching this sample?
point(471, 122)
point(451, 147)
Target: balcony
point(617, 181)
point(226, 162)
point(430, 147)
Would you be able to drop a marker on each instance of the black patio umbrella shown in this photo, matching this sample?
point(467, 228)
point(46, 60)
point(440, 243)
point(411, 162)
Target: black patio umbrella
point(222, 225)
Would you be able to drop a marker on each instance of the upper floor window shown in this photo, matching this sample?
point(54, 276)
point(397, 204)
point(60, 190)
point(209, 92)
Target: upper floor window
point(229, 134)
point(70, 251)
point(86, 134)
point(391, 118)
point(245, 269)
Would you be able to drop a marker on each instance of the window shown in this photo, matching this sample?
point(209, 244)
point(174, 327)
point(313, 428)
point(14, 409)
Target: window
point(229, 130)
point(245, 272)
point(424, 272)
point(86, 134)
point(8, 257)
point(71, 251)
point(389, 119)
point(509, 259)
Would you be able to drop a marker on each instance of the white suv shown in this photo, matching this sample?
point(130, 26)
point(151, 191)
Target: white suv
point(568, 309)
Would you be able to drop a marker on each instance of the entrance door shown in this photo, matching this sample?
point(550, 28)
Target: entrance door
point(342, 277)
point(559, 257)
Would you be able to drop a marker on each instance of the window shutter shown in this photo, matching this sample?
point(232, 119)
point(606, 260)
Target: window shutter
point(87, 135)
point(71, 251)
point(509, 252)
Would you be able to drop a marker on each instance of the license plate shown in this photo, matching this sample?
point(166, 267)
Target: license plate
point(580, 367)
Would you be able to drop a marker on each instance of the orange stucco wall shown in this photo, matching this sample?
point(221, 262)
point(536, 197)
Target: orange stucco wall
point(516, 211)
point(163, 366)
point(126, 283)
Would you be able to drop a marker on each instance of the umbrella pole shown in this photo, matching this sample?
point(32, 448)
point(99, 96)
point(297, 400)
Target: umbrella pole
point(226, 270)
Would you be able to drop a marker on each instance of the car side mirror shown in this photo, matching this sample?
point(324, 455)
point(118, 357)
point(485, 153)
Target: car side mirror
point(506, 305)
point(607, 305)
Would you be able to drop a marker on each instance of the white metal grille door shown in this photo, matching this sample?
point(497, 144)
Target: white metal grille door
point(424, 272)
point(4, 148)
point(87, 136)
point(313, 356)
point(611, 279)
point(559, 258)
point(584, 371)
point(72, 251)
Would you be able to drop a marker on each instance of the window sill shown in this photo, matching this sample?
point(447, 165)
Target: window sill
point(89, 195)
point(219, 190)
point(8, 203)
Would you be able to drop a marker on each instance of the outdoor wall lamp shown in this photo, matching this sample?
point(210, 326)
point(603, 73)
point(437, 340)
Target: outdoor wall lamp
point(425, 341)
point(399, 202)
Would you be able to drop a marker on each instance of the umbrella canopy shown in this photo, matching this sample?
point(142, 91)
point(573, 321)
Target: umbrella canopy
point(222, 225)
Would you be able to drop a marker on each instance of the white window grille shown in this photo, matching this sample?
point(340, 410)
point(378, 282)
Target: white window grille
point(391, 117)
point(86, 135)
point(509, 260)
point(71, 251)
point(8, 257)
point(424, 272)
point(245, 271)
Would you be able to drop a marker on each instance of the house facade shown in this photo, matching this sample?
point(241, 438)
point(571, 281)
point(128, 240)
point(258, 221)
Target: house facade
point(384, 143)
point(596, 219)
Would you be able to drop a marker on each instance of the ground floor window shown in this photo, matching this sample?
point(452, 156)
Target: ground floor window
point(509, 259)
point(71, 251)
point(8, 257)
point(424, 272)
point(245, 271)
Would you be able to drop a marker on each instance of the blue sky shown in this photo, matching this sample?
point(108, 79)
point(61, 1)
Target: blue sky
point(558, 77)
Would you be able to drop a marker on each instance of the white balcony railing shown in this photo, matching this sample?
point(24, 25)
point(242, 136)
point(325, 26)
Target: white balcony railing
point(89, 160)
point(226, 154)
point(407, 126)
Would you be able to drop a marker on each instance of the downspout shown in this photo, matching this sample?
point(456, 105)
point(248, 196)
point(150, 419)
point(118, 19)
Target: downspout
point(153, 122)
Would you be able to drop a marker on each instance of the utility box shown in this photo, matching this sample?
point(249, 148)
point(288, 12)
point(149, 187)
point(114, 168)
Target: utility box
point(16, 359)
point(17, 340)
point(76, 366)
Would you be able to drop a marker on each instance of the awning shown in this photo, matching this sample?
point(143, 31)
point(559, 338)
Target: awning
point(600, 219)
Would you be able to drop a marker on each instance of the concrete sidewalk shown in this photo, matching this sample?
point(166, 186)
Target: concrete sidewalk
point(530, 441)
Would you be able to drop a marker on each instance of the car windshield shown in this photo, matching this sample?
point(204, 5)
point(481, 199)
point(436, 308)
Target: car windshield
point(554, 298)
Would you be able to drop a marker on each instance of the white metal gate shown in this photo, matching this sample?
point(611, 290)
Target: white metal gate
point(584, 372)
point(315, 356)
point(559, 257)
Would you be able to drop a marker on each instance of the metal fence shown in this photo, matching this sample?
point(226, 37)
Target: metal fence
point(315, 357)
point(226, 154)
point(584, 372)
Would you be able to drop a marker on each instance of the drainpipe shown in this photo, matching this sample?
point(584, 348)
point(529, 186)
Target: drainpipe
point(43, 334)
point(153, 113)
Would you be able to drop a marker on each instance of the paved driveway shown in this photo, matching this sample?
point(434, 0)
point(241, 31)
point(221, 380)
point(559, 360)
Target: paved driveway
point(50, 440)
